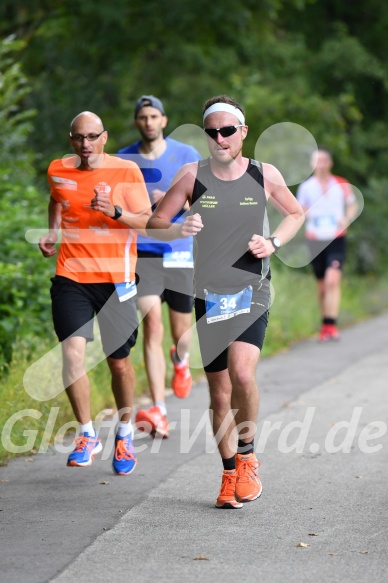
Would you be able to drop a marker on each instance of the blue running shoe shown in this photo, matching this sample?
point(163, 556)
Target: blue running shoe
point(124, 459)
point(85, 448)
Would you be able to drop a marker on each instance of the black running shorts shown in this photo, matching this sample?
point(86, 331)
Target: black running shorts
point(173, 285)
point(75, 304)
point(325, 254)
point(215, 338)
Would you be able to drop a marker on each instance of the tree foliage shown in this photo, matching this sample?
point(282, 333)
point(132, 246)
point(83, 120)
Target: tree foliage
point(23, 306)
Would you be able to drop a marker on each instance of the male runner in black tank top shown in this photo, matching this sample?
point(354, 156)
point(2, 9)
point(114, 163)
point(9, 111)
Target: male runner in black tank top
point(228, 195)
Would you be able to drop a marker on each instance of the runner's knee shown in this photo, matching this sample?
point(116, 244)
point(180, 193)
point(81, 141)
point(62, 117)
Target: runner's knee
point(153, 327)
point(332, 278)
point(119, 366)
point(242, 365)
point(220, 394)
point(242, 378)
point(220, 401)
point(73, 350)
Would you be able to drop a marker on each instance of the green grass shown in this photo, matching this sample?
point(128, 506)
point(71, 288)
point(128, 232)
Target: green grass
point(294, 316)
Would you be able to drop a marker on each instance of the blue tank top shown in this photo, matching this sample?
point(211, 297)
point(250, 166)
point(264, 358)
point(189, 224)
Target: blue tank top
point(158, 174)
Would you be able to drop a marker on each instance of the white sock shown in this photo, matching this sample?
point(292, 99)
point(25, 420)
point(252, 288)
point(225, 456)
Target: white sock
point(87, 428)
point(162, 407)
point(124, 429)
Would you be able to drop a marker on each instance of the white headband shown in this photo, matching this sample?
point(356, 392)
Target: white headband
point(228, 109)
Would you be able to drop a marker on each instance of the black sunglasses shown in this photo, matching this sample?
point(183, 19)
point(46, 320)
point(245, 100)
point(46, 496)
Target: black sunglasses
point(225, 131)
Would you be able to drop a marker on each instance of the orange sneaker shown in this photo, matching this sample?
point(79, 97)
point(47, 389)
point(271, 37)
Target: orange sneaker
point(181, 381)
point(248, 484)
point(153, 421)
point(226, 497)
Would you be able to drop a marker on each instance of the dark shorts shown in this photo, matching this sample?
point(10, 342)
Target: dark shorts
point(173, 285)
point(215, 338)
point(75, 304)
point(325, 254)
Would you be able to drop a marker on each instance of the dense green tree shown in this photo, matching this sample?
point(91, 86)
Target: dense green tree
point(23, 306)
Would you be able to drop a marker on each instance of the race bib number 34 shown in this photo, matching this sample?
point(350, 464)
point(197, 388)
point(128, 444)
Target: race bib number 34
point(224, 306)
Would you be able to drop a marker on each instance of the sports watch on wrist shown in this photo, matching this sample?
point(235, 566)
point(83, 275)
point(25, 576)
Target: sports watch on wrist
point(276, 243)
point(118, 212)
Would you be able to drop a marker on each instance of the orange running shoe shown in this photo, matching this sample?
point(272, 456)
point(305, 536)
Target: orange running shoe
point(153, 421)
point(181, 381)
point(248, 484)
point(226, 497)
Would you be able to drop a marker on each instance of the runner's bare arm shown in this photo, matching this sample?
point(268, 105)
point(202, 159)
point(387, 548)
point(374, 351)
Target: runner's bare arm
point(158, 195)
point(47, 243)
point(159, 225)
point(283, 200)
point(350, 214)
point(136, 221)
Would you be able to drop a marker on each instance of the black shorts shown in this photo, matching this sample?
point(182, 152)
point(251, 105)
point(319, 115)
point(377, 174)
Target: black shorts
point(326, 254)
point(173, 285)
point(215, 338)
point(75, 304)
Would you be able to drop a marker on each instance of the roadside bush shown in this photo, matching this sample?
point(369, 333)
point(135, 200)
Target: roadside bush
point(23, 305)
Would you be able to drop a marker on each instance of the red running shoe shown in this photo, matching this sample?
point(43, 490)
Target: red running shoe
point(153, 421)
point(182, 380)
point(328, 332)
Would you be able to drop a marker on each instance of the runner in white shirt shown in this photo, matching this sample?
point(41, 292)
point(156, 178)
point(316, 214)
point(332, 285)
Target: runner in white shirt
point(330, 205)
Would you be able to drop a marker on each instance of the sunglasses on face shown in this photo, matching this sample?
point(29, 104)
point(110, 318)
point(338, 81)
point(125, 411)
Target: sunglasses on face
point(225, 131)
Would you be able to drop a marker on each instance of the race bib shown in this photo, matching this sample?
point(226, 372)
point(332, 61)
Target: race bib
point(327, 222)
point(181, 254)
point(126, 290)
point(224, 306)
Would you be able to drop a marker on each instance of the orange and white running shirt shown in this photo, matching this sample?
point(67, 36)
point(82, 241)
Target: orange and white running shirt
point(95, 248)
point(324, 210)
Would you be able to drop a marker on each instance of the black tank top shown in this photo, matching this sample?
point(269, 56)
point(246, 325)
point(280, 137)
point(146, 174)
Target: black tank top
point(231, 211)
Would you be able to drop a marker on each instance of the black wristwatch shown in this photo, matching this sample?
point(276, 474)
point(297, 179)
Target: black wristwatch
point(276, 243)
point(118, 212)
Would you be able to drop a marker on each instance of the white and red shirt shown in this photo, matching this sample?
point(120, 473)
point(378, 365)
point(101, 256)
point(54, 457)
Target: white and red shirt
point(325, 210)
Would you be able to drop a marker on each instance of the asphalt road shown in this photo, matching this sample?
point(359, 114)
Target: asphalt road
point(85, 524)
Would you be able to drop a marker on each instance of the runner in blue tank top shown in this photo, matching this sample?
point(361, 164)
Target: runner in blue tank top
point(228, 194)
point(164, 270)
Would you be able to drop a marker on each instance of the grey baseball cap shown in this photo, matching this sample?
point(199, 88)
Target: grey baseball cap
point(148, 101)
